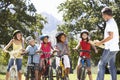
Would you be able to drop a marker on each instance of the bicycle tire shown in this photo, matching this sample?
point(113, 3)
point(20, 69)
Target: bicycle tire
point(13, 74)
point(82, 73)
point(50, 74)
point(59, 74)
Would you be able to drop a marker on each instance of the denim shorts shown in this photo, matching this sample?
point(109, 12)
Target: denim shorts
point(88, 62)
point(18, 63)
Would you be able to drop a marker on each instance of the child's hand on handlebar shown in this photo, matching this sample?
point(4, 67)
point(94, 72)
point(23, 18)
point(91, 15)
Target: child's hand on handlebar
point(39, 51)
point(74, 48)
point(5, 51)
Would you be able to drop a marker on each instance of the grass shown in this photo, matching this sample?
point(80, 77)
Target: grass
point(72, 77)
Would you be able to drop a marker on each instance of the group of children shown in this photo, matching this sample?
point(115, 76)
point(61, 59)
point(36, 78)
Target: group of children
point(45, 50)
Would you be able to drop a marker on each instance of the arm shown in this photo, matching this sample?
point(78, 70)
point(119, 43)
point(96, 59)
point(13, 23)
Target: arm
point(95, 49)
point(8, 45)
point(106, 39)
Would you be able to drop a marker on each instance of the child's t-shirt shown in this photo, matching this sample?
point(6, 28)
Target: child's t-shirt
point(85, 46)
point(63, 48)
point(32, 50)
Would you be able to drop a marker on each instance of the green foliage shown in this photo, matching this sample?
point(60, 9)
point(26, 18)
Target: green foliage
point(18, 14)
point(4, 57)
point(86, 14)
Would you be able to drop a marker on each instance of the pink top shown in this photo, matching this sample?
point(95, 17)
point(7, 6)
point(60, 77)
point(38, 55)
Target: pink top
point(46, 48)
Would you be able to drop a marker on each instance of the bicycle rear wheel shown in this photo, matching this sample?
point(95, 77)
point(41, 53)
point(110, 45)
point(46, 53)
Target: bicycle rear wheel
point(13, 74)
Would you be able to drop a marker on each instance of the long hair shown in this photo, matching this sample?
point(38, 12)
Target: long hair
point(58, 39)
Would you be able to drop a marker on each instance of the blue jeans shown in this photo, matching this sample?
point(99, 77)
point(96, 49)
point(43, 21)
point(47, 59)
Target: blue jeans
point(107, 57)
point(18, 63)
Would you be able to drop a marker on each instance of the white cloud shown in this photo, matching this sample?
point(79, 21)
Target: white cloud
point(49, 6)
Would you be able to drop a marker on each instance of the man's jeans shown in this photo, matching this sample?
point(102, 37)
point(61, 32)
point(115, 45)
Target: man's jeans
point(107, 57)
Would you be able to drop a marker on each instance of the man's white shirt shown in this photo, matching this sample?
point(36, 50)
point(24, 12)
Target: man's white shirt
point(113, 44)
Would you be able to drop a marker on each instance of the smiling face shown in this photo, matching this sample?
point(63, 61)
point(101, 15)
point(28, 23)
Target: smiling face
point(63, 38)
point(84, 36)
point(18, 36)
point(45, 40)
point(105, 17)
point(32, 42)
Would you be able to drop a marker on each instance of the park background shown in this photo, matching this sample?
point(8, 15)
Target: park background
point(36, 17)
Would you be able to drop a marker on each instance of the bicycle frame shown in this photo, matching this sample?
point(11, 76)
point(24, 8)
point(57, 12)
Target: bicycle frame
point(13, 71)
point(82, 71)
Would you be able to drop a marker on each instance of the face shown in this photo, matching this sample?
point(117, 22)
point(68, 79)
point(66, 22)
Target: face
point(19, 36)
point(105, 17)
point(84, 36)
point(45, 40)
point(63, 38)
point(32, 42)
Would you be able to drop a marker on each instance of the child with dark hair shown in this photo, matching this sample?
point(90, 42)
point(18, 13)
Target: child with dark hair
point(62, 48)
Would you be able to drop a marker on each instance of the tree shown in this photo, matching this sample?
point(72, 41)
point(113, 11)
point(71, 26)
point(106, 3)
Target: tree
point(18, 14)
point(86, 14)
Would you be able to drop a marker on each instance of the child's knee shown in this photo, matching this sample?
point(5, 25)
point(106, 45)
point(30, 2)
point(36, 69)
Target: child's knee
point(89, 72)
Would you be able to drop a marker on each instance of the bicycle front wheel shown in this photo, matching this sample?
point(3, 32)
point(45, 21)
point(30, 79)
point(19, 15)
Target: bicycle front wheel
point(59, 73)
point(13, 74)
point(50, 74)
point(82, 73)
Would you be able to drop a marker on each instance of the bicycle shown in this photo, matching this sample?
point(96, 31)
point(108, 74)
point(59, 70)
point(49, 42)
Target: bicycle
point(13, 69)
point(48, 73)
point(82, 71)
point(60, 71)
point(30, 69)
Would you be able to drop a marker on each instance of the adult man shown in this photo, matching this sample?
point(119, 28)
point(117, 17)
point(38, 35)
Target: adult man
point(111, 40)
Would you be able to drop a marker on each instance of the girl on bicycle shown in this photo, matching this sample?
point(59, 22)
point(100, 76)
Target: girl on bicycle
point(85, 44)
point(62, 48)
point(17, 44)
point(46, 49)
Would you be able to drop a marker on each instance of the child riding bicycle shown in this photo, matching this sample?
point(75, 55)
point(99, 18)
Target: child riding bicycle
point(32, 49)
point(62, 48)
point(18, 44)
point(46, 49)
point(85, 44)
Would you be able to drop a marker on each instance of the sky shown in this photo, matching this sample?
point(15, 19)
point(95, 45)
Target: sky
point(49, 6)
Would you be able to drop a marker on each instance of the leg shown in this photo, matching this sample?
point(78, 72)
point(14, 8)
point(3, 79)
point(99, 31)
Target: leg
point(78, 71)
point(19, 75)
point(78, 67)
point(19, 66)
point(11, 61)
point(89, 73)
point(66, 62)
point(101, 65)
point(89, 69)
point(7, 76)
point(67, 71)
point(36, 74)
point(112, 67)
point(36, 71)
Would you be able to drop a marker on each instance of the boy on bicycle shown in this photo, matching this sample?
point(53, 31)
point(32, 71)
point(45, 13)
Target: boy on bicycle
point(85, 44)
point(32, 49)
